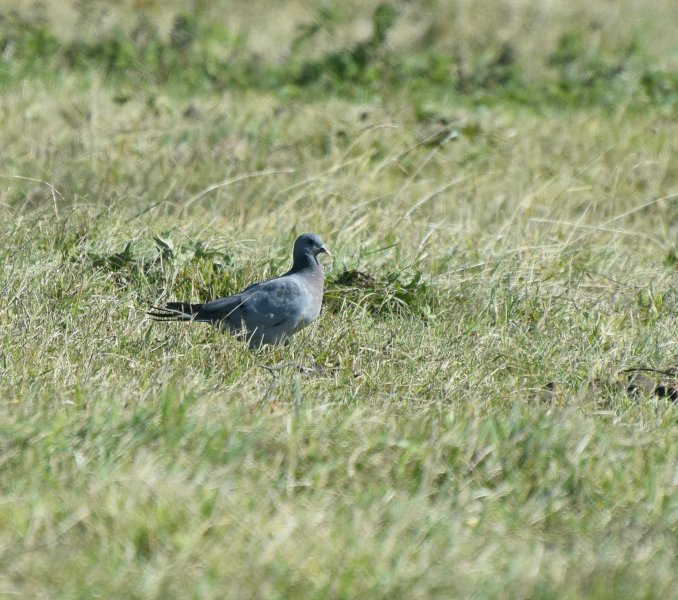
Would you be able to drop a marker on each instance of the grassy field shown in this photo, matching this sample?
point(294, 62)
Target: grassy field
point(499, 190)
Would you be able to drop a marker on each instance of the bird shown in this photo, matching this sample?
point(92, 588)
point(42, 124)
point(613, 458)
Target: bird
point(268, 312)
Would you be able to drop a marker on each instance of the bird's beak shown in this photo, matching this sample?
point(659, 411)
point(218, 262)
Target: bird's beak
point(325, 250)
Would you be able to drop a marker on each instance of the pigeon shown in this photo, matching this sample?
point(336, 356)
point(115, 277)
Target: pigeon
point(268, 312)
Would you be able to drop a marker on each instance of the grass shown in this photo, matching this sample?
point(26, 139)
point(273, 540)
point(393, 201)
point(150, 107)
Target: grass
point(460, 422)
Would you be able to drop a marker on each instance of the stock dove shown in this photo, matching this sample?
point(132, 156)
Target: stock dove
point(268, 312)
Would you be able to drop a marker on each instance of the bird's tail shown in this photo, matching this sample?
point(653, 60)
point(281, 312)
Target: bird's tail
point(175, 311)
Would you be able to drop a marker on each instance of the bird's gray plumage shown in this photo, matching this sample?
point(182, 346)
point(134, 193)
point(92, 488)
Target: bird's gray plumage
point(267, 312)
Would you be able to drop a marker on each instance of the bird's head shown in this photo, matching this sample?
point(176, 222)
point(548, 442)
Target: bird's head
point(308, 246)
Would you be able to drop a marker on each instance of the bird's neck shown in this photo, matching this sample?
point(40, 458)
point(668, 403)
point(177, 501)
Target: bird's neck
point(305, 262)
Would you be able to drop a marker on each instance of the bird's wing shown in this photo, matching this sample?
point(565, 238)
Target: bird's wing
point(260, 306)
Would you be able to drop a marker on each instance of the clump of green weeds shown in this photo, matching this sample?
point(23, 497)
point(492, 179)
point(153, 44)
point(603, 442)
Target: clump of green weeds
point(190, 266)
point(393, 292)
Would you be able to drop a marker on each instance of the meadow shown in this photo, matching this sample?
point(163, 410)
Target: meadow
point(488, 404)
